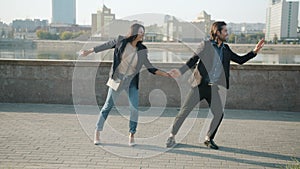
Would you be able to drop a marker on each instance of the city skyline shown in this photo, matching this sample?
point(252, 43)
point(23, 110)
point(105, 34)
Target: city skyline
point(240, 11)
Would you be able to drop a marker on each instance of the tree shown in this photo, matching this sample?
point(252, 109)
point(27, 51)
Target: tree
point(77, 34)
point(275, 39)
point(284, 41)
point(249, 38)
point(66, 35)
point(231, 38)
point(41, 34)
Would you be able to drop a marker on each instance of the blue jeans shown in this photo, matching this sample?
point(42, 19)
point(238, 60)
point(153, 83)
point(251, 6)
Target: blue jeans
point(133, 97)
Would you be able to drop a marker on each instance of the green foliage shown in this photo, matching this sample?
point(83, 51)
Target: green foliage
point(284, 42)
point(66, 35)
point(275, 39)
point(77, 34)
point(41, 34)
point(232, 38)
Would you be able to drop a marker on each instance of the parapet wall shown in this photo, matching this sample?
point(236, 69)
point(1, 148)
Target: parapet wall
point(263, 87)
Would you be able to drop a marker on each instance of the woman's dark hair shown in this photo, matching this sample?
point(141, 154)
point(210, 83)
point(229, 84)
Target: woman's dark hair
point(216, 27)
point(133, 32)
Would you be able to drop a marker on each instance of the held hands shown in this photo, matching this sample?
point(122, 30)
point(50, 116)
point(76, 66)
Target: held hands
point(162, 73)
point(175, 73)
point(259, 45)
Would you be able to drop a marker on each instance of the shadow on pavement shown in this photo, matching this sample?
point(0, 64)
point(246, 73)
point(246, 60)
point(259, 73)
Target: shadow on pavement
point(177, 150)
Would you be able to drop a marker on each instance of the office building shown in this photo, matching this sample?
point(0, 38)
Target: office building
point(101, 20)
point(64, 12)
point(282, 20)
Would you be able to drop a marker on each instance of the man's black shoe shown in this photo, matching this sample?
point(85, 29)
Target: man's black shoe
point(170, 142)
point(211, 144)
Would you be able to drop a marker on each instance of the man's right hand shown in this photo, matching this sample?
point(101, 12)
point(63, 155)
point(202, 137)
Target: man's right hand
point(259, 45)
point(175, 73)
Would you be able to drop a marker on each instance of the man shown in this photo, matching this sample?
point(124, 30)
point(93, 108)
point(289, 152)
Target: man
point(214, 58)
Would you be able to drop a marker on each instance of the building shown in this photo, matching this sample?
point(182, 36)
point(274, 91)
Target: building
point(4, 30)
point(29, 25)
point(101, 20)
point(4, 27)
point(119, 27)
point(105, 26)
point(26, 29)
point(175, 30)
point(246, 28)
point(193, 31)
point(113, 29)
point(282, 20)
point(94, 24)
point(64, 12)
point(171, 29)
point(154, 33)
point(205, 19)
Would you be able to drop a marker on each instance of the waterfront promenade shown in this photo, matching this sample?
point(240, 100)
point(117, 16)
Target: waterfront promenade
point(52, 136)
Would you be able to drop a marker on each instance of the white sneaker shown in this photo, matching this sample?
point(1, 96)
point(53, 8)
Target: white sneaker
point(131, 142)
point(97, 138)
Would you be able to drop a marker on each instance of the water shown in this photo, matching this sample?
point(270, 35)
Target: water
point(155, 55)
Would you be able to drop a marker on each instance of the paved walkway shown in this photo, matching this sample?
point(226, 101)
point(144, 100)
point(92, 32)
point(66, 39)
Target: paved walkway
point(54, 136)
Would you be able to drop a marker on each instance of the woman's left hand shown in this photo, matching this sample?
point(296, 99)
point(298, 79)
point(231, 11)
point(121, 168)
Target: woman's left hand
point(86, 52)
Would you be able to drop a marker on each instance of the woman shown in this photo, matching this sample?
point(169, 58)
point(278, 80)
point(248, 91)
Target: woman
point(129, 56)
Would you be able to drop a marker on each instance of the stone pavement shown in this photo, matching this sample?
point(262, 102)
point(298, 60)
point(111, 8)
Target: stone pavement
point(54, 136)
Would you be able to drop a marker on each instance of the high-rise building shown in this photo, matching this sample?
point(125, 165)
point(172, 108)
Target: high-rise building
point(282, 20)
point(64, 12)
point(101, 20)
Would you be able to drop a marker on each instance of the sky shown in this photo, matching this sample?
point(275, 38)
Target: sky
point(237, 11)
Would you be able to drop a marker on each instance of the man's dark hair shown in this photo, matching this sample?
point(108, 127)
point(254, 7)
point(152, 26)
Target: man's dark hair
point(216, 27)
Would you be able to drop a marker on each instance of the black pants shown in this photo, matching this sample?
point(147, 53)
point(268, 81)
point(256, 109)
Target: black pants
point(216, 103)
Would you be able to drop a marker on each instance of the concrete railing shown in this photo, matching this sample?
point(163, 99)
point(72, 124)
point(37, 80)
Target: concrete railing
point(264, 87)
point(239, 48)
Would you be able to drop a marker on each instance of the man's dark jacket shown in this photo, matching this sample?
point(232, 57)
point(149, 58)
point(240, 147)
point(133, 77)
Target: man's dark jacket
point(205, 53)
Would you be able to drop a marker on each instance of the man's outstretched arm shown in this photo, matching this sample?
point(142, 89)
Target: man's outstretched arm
point(243, 59)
